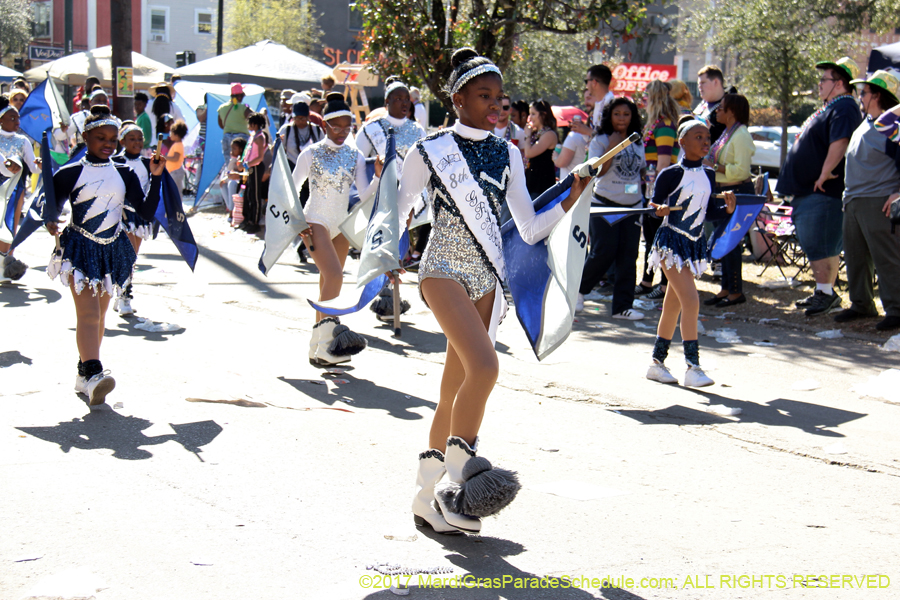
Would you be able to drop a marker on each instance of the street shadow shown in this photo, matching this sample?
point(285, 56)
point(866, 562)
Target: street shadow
point(246, 276)
point(484, 558)
point(104, 428)
point(16, 296)
point(361, 393)
point(13, 357)
point(805, 416)
point(424, 342)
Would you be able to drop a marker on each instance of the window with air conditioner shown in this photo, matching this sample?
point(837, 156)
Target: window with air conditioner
point(159, 24)
point(203, 22)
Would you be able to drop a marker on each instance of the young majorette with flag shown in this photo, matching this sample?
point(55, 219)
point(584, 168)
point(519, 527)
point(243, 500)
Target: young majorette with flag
point(332, 167)
point(138, 229)
point(679, 248)
point(96, 260)
point(468, 173)
point(16, 153)
point(372, 140)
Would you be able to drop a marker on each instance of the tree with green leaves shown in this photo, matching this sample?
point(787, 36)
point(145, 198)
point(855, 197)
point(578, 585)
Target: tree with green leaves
point(776, 44)
point(529, 76)
point(416, 38)
point(15, 26)
point(287, 22)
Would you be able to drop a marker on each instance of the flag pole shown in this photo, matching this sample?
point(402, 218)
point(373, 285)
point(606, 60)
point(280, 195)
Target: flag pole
point(397, 330)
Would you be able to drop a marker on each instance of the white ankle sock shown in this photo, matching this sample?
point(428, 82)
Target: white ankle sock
point(825, 288)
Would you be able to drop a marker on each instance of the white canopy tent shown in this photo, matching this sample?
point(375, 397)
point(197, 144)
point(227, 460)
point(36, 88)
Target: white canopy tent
point(266, 63)
point(75, 68)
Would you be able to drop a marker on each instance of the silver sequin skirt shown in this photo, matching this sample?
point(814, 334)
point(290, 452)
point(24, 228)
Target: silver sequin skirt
point(452, 254)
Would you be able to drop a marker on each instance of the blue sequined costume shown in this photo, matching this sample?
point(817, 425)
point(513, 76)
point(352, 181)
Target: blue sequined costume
point(134, 223)
point(95, 253)
point(680, 242)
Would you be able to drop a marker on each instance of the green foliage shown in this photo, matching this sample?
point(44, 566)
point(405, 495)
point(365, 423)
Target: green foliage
point(287, 22)
point(549, 65)
point(15, 26)
point(776, 44)
point(416, 38)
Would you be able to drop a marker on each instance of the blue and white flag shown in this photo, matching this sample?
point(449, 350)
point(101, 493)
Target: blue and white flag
point(10, 190)
point(170, 214)
point(43, 109)
point(44, 206)
point(543, 278)
point(382, 246)
point(284, 215)
point(730, 233)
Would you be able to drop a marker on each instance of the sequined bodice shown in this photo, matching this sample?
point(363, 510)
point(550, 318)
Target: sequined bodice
point(98, 199)
point(13, 145)
point(692, 195)
point(405, 136)
point(333, 170)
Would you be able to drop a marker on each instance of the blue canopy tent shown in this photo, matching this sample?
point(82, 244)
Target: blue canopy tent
point(213, 159)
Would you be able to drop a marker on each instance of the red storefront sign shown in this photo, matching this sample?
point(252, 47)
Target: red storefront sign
point(629, 78)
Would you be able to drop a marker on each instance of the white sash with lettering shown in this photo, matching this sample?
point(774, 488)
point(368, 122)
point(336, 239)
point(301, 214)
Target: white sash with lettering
point(448, 164)
point(377, 137)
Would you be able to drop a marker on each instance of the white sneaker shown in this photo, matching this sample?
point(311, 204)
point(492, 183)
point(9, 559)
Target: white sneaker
point(695, 377)
point(594, 296)
point(98, 387)
point(579, 303)
point(629, 315)
point(80, 384)
point(660, 372)
point(123, 306)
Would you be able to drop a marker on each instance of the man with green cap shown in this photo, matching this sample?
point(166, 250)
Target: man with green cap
point(813, 175)
point(872, 181)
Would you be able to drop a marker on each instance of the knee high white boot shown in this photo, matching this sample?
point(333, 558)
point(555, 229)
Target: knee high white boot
point(431, 469)
point(443, 492)
point(313, 346)
point(324, 357)
point(475, 489)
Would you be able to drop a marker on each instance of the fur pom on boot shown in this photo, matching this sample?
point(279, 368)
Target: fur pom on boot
point(323, 334)
point(476, 488)
point(345, 342)
point(13, 268)
point(383, 306)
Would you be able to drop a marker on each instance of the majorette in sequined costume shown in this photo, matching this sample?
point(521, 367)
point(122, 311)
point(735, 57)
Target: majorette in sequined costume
point(468, 174)
point(680, 240)
point(331, 169)
point(95, 251)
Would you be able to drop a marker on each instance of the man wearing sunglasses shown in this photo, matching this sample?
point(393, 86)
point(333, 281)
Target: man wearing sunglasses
point(597, 81)
point(505, 128)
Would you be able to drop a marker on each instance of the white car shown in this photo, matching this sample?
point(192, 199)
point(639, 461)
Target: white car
point(767, 140)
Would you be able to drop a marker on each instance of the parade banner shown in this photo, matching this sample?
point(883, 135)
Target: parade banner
point(44, 207)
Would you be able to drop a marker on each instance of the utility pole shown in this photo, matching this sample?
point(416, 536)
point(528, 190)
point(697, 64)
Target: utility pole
point(120, 37)
point(220, 28)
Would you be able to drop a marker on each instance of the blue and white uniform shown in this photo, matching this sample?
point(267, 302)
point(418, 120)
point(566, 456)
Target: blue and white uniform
point(680, 242)
point(95, 253)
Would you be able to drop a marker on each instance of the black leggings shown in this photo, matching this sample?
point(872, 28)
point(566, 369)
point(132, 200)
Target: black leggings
point(650, 226)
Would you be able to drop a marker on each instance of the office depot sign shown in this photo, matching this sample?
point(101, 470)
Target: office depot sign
point(629, 78)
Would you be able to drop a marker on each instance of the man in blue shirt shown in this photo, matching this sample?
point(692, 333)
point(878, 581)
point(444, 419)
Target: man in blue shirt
point(814, 175)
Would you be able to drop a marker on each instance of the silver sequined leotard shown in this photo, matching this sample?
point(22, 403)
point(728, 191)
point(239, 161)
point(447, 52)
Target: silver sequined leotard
point(332, 172)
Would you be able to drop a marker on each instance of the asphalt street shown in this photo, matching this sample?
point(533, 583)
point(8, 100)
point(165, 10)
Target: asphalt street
point(224, 466)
